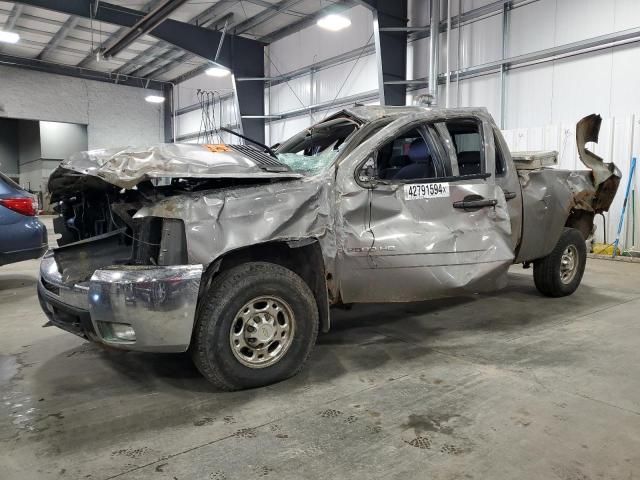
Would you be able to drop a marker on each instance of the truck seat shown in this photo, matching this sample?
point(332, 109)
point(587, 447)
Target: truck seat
point(469, 163)
point(422, 163)
point(396, 164)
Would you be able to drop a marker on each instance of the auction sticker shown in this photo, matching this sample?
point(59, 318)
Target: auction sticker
point(416, 191)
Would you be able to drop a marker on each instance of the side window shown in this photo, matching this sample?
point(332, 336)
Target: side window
point(501, 166)
point(467, 142)
point(408, 157)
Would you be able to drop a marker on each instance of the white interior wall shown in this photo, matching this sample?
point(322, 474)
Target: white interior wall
point(115, 115)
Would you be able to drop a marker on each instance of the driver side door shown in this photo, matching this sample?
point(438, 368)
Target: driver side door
point(424, 217)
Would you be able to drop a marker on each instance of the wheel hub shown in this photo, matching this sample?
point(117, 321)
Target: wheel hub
point(569, 264)
point(262, 331)
point(265, 332)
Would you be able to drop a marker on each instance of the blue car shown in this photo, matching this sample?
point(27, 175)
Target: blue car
point(22, 235)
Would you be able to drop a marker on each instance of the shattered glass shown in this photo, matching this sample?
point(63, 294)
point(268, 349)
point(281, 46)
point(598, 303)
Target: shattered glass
point(309, 164)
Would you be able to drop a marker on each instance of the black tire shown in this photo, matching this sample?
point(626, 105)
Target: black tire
point(211, 348)
point(547, 271)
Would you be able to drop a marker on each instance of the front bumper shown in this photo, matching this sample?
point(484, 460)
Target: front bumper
point(157, 302)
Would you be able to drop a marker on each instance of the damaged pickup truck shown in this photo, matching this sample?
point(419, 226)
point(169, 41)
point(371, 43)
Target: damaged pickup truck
point(236, 253)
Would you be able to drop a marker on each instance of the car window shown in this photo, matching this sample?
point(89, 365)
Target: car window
point(408, 157)
point(466, 136)
point(313, 149)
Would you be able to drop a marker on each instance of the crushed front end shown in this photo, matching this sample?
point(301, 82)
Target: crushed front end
point(117, 280)
point(123, 278)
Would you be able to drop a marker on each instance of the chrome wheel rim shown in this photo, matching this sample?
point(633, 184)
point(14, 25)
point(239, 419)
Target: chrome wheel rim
point(262, 331)
point(569, 264)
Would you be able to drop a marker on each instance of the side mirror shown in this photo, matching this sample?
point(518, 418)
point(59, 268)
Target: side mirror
point(368, 173)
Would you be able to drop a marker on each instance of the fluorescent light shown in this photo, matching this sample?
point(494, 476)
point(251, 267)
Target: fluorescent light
point(217, 71)
point(334, 22)
point(9, 37)
point(154, 99)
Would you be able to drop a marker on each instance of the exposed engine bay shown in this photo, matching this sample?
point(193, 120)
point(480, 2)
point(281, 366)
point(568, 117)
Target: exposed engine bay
point(99, 220)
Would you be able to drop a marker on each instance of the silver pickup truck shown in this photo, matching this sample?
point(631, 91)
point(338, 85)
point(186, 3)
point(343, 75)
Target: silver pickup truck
point(236, 253)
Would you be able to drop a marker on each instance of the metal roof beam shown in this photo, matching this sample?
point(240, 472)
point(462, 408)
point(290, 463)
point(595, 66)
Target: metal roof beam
point(13, 17)
point(143, 26)
point(263, 16)
point(201, 19)
point(180, 58)
point(93, 54)
point(60, 35)
point(58, 23)
point(164, 59)
point(198, 40)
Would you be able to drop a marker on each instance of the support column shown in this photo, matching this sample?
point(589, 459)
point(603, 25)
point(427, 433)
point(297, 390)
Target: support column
point(391, 49)
point(434, 51)
point(249, 63)
point(506, 9)
point(167, 113)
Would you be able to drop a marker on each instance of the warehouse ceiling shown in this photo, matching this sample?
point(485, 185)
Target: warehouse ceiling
point(57, 38)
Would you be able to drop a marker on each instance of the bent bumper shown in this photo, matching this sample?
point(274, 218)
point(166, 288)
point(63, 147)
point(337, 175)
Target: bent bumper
point(155, 305)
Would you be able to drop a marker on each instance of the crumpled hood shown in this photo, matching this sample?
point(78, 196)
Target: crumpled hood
point(126, 167)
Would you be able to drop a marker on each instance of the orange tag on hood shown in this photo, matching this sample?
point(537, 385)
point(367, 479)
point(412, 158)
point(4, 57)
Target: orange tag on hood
point(217, 147)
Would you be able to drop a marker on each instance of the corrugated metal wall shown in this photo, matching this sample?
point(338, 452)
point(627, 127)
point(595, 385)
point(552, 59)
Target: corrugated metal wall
point(327, 85)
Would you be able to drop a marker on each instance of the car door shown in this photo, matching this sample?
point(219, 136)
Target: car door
point(507, 179)
point(410, 232)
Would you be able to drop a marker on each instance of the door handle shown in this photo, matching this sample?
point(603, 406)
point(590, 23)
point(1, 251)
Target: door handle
point(474, 202)
point(509, 195)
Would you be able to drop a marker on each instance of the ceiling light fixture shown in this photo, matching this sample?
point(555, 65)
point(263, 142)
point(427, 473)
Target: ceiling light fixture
point(154, 99)
point(334, 22)
point(9, 37)
point(217, 70)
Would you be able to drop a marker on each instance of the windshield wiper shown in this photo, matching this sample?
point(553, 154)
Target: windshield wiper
point(255, 142)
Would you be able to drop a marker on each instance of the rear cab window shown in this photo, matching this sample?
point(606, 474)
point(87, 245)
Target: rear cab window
point(468, 145)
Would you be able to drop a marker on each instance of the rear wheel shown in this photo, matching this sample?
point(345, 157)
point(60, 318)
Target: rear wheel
point(257, 325)
point(559, 273)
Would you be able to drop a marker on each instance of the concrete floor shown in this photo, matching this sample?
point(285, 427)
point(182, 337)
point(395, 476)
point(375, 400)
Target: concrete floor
point(507, 386)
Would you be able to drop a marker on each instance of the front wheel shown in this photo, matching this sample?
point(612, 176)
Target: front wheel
point(559, 273)
point(257, 325)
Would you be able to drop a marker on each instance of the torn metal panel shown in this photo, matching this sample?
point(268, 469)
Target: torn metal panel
point(606, 176)
point(224, 220)
point(548, 197)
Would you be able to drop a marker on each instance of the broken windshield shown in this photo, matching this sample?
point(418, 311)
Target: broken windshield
point(315, 148)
